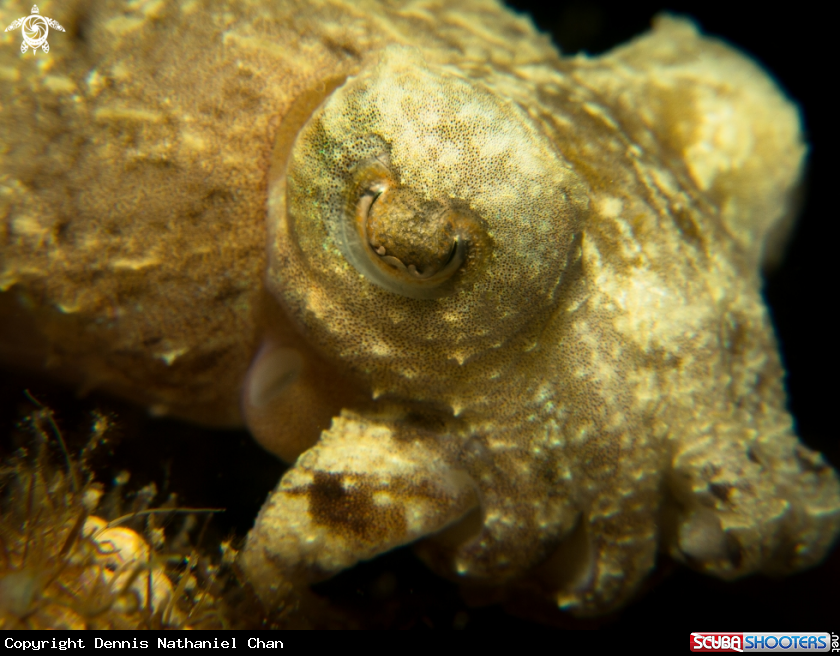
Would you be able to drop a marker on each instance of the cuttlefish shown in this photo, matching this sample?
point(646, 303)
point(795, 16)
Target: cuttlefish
point(494, 301)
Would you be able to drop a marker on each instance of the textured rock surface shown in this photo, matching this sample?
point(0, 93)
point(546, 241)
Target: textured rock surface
point(598, 379)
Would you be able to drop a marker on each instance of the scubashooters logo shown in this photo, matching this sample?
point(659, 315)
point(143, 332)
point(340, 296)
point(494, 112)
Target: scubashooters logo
point(35, 29)
point(755, 642)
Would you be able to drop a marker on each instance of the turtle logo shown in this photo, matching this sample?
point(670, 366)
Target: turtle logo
point(35, 29)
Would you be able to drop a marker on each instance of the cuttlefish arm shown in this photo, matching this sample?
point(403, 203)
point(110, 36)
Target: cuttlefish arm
point(554, 310)
point(365, 487)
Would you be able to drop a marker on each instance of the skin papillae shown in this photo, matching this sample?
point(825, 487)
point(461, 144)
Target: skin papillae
point(495, 298)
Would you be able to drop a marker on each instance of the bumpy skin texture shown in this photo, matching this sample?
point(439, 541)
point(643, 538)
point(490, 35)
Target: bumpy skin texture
point(595, 380)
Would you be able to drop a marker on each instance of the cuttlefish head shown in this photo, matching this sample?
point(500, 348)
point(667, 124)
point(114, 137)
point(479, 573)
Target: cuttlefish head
point(418, 222)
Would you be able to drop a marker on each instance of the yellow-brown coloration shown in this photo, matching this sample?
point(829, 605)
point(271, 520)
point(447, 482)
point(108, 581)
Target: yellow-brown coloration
point(593, 376)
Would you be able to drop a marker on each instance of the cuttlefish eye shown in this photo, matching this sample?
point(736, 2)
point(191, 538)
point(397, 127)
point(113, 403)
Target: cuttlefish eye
point(412, 210)
point(402, 242)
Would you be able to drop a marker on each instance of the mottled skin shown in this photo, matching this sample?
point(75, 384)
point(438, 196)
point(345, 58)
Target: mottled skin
point(596, 379)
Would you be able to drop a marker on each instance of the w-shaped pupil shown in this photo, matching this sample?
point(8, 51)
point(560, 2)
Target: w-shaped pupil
point(409, 232)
